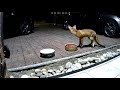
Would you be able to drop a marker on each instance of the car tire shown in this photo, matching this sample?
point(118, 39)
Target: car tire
point(110, 28)
point(25, 28)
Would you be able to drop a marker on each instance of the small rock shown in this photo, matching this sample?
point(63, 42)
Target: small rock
point(49, 74)
point(39, 74)
point(69, 70)
point(118, 50)
point(78, 65)
point(11, 76)
point(74, 67)
point(79, 60)
point(61, 68)
point(68, 65)
point(97, 56)
point(37, 70)
point(102, 58)
point(44, 70)
point(57, 71)
point(86, 65)
point(50, 71)
point(65, 70)
point(86, 59)
point(104, 55)
point(75, 61)
point(82, 62)
point(43, 76)
point(62, 72)
point(54, 71)
point(32, 74)
point(92, 63)
point(45, 73)
point(25, 76)
point(97, 60)
point(115, 53)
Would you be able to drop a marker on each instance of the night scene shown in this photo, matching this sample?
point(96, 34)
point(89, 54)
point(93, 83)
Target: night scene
point(67, 42)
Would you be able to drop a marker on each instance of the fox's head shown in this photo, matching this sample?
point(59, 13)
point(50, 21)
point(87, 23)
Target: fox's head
point(72, 29)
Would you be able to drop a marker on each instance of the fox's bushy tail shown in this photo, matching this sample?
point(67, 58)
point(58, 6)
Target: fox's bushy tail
point(97, 41)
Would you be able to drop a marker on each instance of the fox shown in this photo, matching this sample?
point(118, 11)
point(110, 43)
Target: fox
point(81, 34)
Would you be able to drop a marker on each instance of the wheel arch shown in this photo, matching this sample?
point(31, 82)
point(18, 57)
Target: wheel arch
point(111, 17)
point(26, 21)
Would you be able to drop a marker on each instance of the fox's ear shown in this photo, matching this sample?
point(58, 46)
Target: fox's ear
point(74, 26)
point(69, 26)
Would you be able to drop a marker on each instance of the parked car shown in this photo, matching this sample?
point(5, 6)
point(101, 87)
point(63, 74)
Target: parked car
point(16, 23)
point(102, 21)
point(106, 21)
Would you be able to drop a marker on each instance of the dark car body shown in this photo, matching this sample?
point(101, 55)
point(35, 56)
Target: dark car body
point(20, 22)
point(103, 21)
point(16, 23)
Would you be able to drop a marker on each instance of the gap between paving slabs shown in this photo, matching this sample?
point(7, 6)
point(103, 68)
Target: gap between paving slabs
point(61, 59)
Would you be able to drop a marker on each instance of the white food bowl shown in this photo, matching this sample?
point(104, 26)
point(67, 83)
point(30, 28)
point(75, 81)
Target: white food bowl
point(47, 53)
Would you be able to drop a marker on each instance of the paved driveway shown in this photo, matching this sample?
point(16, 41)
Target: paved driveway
point(25, 49)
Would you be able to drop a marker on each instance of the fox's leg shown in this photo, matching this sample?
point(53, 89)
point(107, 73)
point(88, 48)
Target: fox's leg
point(80, 42)
point(92, 41)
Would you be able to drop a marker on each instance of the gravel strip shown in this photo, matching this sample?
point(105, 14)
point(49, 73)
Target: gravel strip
point(67, 65)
